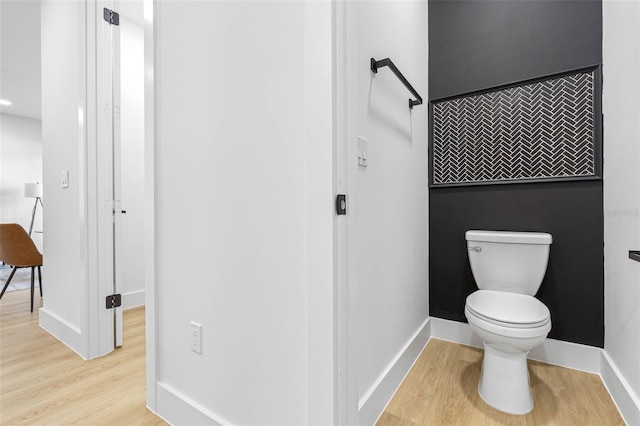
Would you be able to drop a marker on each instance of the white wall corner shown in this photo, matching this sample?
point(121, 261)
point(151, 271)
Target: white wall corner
point(375, 400)
point(176, 408)
point(454, 331)
point(68, 334)
point(623, 396)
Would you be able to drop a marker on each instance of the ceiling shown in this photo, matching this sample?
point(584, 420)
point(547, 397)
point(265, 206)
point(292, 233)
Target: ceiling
point(20, 57)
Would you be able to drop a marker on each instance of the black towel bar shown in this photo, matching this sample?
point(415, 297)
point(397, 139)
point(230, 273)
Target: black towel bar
point(388, 63)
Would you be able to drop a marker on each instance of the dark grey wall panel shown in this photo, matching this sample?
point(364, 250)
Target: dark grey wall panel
point(476, 45)
point(479, 44)
point(570, 211)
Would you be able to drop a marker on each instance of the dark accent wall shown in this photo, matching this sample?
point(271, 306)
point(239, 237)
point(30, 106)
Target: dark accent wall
point(479, 44)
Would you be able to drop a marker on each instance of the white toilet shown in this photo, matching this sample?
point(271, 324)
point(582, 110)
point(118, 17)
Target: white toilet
point(508, 268)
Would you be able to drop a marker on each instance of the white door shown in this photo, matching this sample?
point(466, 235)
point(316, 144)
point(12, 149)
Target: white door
point(108, 98)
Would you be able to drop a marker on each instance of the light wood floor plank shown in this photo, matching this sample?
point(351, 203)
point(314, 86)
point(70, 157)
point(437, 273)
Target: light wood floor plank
point(441, 389)
point(43, 382)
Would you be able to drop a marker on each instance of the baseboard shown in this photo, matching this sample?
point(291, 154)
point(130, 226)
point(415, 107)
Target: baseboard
point(623, 396)
point(454, 331)
point(176, 408)
point(568, 354)
point(375, 400)
point(556, 352)
point(133, 299)
point(67, 333)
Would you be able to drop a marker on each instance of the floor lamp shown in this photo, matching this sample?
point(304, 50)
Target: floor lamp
point(33, 190)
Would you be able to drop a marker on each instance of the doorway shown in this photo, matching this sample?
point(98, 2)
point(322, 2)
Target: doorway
point(120, 77)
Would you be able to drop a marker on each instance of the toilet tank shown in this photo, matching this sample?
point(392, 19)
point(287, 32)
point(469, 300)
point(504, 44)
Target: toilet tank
point(508, 261)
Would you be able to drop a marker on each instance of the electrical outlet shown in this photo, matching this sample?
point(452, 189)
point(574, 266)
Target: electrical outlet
point(196, 337)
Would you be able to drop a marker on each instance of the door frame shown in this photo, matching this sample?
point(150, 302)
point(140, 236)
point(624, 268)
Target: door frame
point(99, 322)
point(150, 202)
point(96, 319)
point(345, 284)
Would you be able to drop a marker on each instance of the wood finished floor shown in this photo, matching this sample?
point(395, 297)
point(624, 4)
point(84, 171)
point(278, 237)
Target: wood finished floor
point(42, 382)
point(441, 389)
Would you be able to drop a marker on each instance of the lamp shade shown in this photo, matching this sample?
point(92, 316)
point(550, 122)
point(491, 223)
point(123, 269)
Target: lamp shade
point(33, 190)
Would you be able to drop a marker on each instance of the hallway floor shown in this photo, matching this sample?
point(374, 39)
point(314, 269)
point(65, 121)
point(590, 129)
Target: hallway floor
point(44, 382)
point(441, 389)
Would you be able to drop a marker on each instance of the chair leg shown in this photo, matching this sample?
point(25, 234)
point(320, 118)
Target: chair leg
point(40, 280)
point(8, 281)
point(33, 271)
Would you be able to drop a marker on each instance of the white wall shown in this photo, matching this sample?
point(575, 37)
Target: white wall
point(62, 94)
point(389, 199)
point(20, 162)
point(132, 156)
point(621, 108)
point(244, 211)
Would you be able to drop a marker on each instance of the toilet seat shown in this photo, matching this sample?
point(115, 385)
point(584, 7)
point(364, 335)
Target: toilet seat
point(505, 329)
point(508, 309)
point(508, 314)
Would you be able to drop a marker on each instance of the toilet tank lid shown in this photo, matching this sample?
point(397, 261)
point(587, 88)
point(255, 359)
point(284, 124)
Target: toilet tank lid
point(509, 237)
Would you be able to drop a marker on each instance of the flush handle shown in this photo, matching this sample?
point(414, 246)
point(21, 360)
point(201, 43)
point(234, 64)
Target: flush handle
point(476, 248)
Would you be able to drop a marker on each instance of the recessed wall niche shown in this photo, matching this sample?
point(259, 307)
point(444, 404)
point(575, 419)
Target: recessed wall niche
point(539, 130)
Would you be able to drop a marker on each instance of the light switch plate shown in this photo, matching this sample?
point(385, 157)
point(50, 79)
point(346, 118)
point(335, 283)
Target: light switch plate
point(196, 337)
point(65, 178)
point(362, 152)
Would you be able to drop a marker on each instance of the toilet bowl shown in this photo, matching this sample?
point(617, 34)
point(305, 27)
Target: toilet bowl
point(507, 339)
point(508, 268)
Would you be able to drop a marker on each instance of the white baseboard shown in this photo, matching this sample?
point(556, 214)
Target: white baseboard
point(454, 331)
point(375, 400)
point(67, 333)
point(133, 299)
point(176, 408)
point(623, 396)
point(568, 354)
point(556, 352)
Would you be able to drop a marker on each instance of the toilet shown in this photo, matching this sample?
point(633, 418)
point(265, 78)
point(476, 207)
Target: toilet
point(508, 268)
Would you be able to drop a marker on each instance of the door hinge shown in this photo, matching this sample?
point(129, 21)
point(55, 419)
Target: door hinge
point(110, 16)
point(341, 204)
point(114, 301)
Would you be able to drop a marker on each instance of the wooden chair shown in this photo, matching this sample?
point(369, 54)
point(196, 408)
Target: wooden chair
point(18, 250)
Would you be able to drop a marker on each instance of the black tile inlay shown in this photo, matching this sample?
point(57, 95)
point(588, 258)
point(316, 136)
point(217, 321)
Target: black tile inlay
point(634, 255)
point(534, 131)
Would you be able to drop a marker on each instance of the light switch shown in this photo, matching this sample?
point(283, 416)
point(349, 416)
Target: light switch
point(362, 152)
point(65, 178)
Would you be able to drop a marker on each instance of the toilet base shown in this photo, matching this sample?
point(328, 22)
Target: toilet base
point(504, 381)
